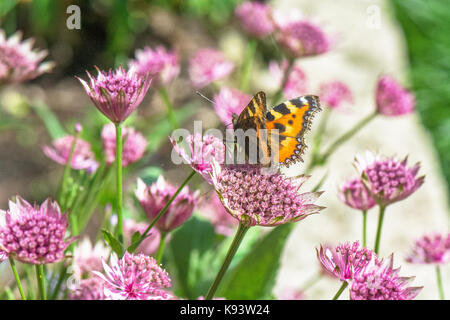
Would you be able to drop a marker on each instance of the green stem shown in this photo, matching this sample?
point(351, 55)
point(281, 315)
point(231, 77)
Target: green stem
point(169, 107)
point(16, 276)
point(247, 65)
point(279, 93)
point(162, 241)
point(40, 276)
point(380, 224)
point(240, 233)
point(119, 181)
point(439, 283)
point(341, 289)
point(347, 135)
point(364, 231)
point(66, 174)
point(134, 246)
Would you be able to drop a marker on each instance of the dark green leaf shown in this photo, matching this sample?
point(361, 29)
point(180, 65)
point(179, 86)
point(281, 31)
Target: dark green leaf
point(113, 243)
point(254, 276)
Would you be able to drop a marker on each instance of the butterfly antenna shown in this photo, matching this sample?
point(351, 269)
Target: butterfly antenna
point(204, 97)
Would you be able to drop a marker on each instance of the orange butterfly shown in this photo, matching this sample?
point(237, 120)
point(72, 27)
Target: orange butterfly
point(291, 119)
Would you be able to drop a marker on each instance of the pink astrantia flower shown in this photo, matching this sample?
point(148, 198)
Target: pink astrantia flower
point(134, 277)
point(208, 65)
point(388, 180)
point(154, 197)
point(163, 65)
point(88, 257)
point(34, 234)
point(302, 38)
point(117, 93)
point(134, 144)
point(334, 94)
point(296, 83)
point(433, 248)
point(82, 159)
point(149, 245)
point(392, 99)
point(228, 102)
point(380, 281)
point(18, 62)
point(87, 289)
point(202, 151)
point(255, 18)
point(344, 260)
point(223, 222)
point(257, 198)
point(354, 194)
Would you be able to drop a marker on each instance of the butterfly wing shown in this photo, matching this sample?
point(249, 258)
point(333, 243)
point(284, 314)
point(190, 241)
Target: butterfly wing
point(253, 117)
point(292, 119)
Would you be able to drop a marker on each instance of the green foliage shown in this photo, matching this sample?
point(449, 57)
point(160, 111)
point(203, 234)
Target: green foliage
point(426, 25)
point(113, 243)
point(193, 258)
point(254, 276)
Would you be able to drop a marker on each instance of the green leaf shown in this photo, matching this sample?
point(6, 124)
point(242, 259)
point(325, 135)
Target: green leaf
point(192, 257)
point(50, 120)
point(254, 276)
point(113, 243)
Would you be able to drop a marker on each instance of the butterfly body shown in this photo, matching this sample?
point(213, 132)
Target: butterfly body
point(279, 131)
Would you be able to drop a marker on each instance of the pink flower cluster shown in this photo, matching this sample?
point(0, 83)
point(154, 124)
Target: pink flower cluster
point(257, 198)
point(334, 94)
point(208, 65)
point(255, 18)
point(387, 179)
point(344, 260)
point(392, 99)
point(433, 249)
point(378, 280)
point(134, 277)
point(18, 62)
point(82, 159)
point(370, 278)
point(203, 150)
point(134, 144)
point(117, 93)
point(153, 198)
point(354, 194)
point(159, 63)
point(34, 234)
point(228, 102)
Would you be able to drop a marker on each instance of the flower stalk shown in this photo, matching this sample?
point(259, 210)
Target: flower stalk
point(160, 251)
point(439, 283)
point(240, 233)
point(135, 245)
point(17, 278)
point(40, 276)
point(341, 289)
point(119, 142)
point(380, 224)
